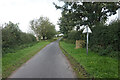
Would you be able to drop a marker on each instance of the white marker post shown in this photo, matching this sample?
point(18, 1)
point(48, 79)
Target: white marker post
point(87, 30)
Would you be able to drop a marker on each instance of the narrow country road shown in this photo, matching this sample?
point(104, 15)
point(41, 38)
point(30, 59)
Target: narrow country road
point(50, 62)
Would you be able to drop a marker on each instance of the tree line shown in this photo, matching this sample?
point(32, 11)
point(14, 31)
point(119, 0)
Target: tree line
point(94, 14)
point(13, 38)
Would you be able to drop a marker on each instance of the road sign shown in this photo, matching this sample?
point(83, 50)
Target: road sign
point(87, 30)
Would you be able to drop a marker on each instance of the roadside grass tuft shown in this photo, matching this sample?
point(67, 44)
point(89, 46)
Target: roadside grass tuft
point(96, 65)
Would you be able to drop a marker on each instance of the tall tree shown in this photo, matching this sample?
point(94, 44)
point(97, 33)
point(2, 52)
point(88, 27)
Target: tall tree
point(85, 13)
point(42, 27)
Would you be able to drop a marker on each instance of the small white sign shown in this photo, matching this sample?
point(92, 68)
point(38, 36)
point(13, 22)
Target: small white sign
point(87, 30)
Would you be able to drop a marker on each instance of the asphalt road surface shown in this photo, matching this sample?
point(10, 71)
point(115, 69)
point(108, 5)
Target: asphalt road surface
point(50, 62)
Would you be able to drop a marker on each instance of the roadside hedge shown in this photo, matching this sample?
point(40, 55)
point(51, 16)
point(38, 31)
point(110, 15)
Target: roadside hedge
point(75, 35)
point(106, 39)
point(12, 37)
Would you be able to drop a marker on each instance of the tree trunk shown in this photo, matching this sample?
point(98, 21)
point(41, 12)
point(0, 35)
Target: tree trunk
point(43, 37)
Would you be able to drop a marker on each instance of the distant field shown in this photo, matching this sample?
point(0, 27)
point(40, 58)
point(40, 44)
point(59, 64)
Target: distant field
point(11, 61)
point(96, 65)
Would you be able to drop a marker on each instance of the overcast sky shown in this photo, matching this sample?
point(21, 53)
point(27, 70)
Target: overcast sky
point(22, 11)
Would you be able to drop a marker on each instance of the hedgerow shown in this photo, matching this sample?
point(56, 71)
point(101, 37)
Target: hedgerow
point(12, 37)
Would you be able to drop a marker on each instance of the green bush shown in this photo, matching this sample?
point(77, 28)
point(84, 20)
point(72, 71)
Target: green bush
point(105, 39)
point(13, 37)
point(75, 35)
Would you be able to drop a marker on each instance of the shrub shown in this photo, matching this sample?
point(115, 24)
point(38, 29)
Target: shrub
point(105, 39)
point(12, 37)
point(75, 35)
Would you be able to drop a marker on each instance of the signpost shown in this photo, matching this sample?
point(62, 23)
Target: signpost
point(87, 30)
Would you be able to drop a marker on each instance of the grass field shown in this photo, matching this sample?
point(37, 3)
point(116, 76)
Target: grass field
point(11, 61)
point(96, 65)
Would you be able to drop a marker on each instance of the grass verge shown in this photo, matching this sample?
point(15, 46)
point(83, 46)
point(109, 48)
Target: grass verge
point(97, 66)
point(11, 61)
